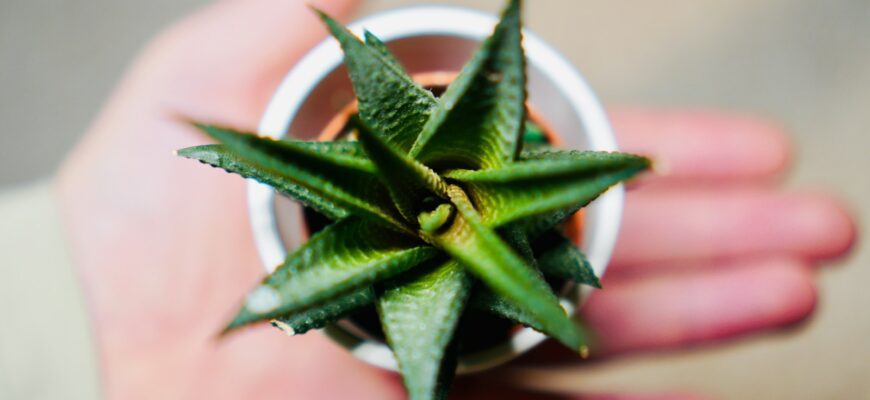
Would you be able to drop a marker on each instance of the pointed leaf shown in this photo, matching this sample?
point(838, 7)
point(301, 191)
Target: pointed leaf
point(479, 119)
point(348, 255)
point(483, 252)
point(519, 241)
point(344, 179)
point(319, 316)
point(550, 182)
point(558, 257)
point(389, 101)
point(409, 182)
point(447, 370)
point(220, 157)
point(419, 314)
point(534, 135)
point(376, 44)
point(485, 300)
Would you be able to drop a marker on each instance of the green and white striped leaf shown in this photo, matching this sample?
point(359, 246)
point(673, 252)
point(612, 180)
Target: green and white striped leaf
point(342, 178)
point(319, 316)
point(409, 182)
point(389, 101)
point(479, 119)
point(419, 314)
point(499, 266)
point(349, 255)
point(547, 183)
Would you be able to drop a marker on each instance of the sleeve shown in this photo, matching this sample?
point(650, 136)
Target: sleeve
point(46, 344)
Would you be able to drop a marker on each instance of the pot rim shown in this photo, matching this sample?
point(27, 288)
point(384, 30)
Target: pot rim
point(429, 20)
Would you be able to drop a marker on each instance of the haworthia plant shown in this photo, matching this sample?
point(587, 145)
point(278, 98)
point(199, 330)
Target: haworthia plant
point(440, 206)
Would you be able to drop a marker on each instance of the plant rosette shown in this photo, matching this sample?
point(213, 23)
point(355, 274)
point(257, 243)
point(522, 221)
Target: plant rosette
point(431, 233)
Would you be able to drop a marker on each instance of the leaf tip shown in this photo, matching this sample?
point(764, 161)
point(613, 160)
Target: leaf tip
point(584, 352)
point(184, 119)
point(658, 166)
point(337, 30)
point(227, 330)
point(283, 326)
point(320, 13)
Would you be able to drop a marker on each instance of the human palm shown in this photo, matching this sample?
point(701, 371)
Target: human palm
point(165, 254)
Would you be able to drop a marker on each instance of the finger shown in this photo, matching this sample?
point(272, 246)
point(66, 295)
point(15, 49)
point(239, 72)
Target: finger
point(226, 60)
point(703, 146)
point(491, 386)
point(531, 384)
point(516, 384)
point(696, 225)
point(643, 396)
point(665, 312)
point(522, 382)
point(301, 367)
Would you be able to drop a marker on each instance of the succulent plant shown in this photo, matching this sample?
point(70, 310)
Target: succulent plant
point(436, 209)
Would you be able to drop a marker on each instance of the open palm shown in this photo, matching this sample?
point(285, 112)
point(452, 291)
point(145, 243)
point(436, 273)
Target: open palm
point(165, 254)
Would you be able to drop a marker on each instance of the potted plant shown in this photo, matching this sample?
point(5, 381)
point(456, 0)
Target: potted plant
point(436, 223)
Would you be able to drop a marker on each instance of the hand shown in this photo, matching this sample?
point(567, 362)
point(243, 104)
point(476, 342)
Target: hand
point(164, 251)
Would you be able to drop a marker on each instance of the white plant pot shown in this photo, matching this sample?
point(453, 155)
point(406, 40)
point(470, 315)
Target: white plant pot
point(432, 39)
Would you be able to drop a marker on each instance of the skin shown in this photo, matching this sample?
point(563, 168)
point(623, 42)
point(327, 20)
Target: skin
point(164, 253)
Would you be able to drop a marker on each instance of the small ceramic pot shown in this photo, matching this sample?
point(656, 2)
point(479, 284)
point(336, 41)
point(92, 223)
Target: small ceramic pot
point(429, 39)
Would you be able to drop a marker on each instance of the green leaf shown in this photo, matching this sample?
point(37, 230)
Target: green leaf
point(432, 221)
point(479, 119)
point(519, 241)
point(219, 156)
point(409, 182)
point(419, 314)
point(376, 44)
point(485, 300)
point(483, 252)
point(447, 370)
point(534, 135)
point(346, 256)
point(558, 257)
point(341, 178)
point(389, 101)
point(548, 182)
point(297, 323)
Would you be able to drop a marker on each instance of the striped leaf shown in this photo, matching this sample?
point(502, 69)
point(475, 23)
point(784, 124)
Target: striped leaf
point(297, 323)
point(559, 258)
point(409, 182)
point(219, 156)
point(341, 178)
point(419, 315)
point(349, 255)
point(549, 182)
point(484, 253)
point(389, 101)
point(479, 119)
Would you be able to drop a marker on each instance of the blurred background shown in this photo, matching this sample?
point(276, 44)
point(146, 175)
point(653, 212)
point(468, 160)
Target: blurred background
point(805, 63)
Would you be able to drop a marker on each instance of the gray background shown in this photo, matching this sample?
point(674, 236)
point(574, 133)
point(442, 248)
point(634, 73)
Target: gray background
point(803, 62)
